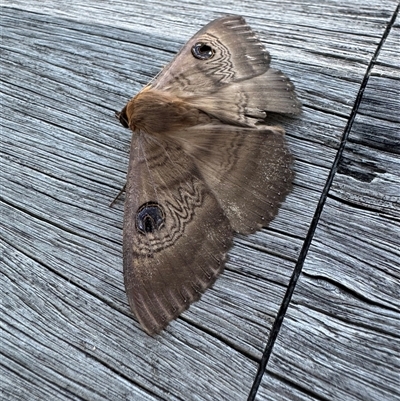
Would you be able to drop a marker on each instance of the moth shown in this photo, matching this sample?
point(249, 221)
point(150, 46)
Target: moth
point(203, 165)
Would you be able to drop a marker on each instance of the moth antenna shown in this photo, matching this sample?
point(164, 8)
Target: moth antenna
point(155, 76)
point(119, 194)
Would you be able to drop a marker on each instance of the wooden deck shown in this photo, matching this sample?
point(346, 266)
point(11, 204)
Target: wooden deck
point(307, 309)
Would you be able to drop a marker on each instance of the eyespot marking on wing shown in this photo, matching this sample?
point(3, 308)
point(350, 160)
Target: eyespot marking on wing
point(150, 217)
point(202, 51)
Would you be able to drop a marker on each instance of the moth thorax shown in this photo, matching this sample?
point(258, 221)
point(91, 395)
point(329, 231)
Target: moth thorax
point(159, 113)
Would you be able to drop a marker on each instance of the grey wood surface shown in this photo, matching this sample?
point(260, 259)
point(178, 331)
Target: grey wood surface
point(67, 331)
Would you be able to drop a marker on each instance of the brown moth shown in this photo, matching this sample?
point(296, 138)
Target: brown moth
point(203, 166)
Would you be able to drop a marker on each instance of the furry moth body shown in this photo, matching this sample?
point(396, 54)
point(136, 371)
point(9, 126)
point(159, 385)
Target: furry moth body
point(203, 166)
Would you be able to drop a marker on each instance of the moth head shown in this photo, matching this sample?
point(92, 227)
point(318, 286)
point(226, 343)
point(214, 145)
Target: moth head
point(122, 117)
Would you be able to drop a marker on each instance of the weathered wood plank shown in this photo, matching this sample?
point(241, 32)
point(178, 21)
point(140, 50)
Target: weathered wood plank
point(66, 67)
point(327, 353)
point(341, 336)
point(64, 335)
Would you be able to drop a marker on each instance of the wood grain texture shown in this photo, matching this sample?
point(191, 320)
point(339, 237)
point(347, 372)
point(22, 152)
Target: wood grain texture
point(341, 335)
point(67, 331)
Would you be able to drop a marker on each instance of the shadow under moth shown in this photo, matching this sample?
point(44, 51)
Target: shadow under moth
point(203, 165)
